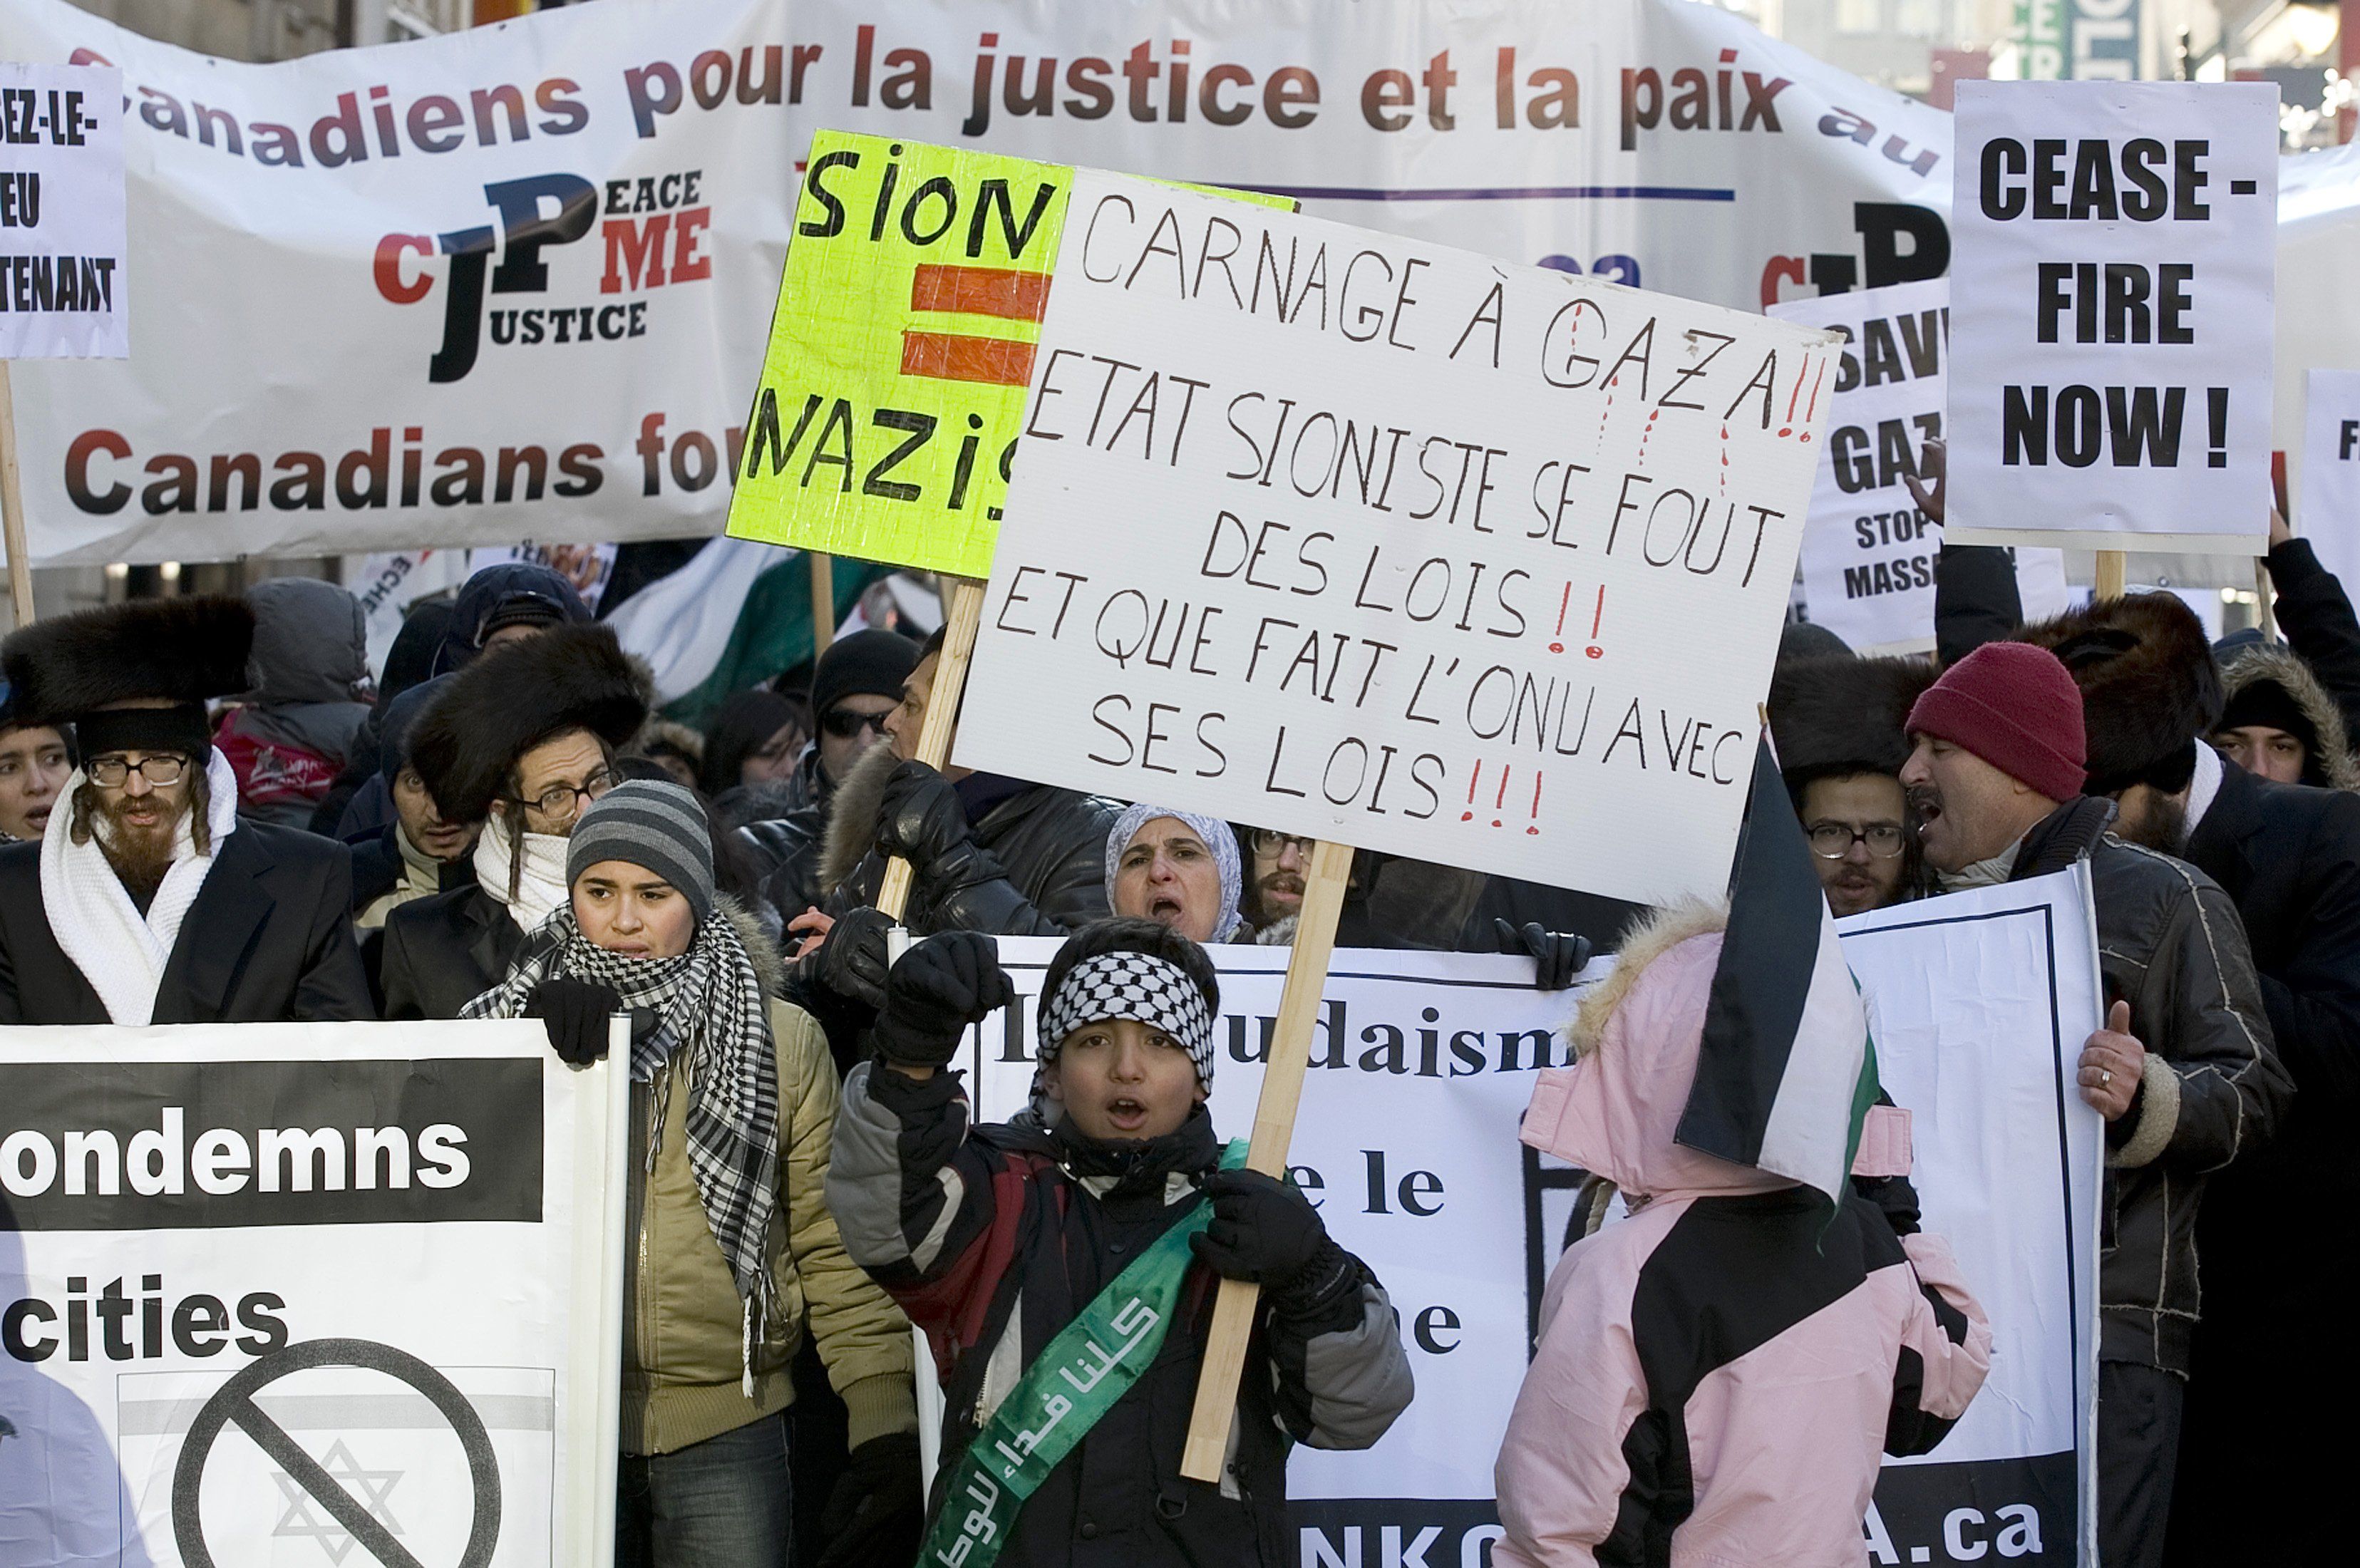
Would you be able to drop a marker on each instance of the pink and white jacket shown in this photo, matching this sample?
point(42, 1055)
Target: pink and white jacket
point(1717, 1373)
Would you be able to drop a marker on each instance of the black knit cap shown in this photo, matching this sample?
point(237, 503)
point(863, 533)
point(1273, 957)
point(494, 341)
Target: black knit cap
point(869, 663)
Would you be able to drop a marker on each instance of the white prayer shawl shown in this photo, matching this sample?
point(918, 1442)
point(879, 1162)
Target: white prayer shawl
point(541, 885)
point(122, 954)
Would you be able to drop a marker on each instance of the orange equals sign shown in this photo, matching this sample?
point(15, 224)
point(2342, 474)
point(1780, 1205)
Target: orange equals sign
point(995, 292)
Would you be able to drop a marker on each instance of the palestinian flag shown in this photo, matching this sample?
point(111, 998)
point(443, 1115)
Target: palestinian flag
point(1786, 1073)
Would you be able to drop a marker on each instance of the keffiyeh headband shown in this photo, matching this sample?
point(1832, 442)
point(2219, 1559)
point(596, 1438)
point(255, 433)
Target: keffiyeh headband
point(1135, 985)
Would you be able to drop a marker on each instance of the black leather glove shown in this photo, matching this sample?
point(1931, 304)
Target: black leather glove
point(851, 961)
point(919, 816)
point(574, 1012)
point(1262, 1229)
point(876, 1513)
point(939, 988)
point(1558, 956)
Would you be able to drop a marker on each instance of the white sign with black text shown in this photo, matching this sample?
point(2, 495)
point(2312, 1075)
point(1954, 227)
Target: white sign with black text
point(2330, 512)
point(2113, 254)
point(1869, 550)
point(1369, 539)
point(272, 1292)
point(63, 238)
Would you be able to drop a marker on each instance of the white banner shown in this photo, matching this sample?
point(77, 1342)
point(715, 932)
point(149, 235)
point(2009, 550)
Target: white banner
point(64, 268)
point(1421, 1067)
point(1394, 545)
point(273, 1292)
point(510, 283)
point(1868, 552)
point(2111, 290)
point(2328, 509)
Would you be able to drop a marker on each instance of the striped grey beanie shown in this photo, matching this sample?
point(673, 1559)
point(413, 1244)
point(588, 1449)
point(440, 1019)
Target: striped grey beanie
point(659, 826)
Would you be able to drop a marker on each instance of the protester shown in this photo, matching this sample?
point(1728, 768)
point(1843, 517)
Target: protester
point(146, 900)
point(757, 737)
point(421, 853)
point(1838, 725)
point(1715, 1375)
point(2183, 1072)
point(408, 663)
point(516, 744)
point(2315, 617)
point(1101, 1178)
point(733, 1102)
point(1175, 868)
point(506, 602)
point(302, 721)
point(34, 763)
point(676, 749)
point(2277, 722)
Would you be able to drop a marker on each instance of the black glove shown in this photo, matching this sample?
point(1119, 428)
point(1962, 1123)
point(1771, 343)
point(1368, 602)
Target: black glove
point(1558, 956)
point(1262, 1229)
point(919, 816)
point(575, 1013)
point(939, 988)
point(851, 961)
point(878, 1510)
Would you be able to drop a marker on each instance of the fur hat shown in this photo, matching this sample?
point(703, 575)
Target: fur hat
point(2149, 687)
point(513, 697)
point(1836, 714)
point(180, 650)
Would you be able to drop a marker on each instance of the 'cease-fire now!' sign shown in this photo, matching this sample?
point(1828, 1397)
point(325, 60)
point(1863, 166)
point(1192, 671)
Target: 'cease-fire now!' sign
point(2113, 257)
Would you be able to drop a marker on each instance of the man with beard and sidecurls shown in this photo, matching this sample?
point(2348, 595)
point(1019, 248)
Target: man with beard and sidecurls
point(517, 744)
point(146, 900)
point(2290, 858)
point(34, 762)
point(2182, 1070)
point(1837, 722)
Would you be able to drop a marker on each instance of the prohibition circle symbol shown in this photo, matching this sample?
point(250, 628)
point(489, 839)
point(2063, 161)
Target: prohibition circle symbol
point(235, 1403)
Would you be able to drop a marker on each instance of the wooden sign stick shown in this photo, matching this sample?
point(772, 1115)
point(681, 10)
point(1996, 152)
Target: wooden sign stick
point(823, 573)
point(2111, 567)
point(962, 615)
point(12, 508)
point(1273, 1130)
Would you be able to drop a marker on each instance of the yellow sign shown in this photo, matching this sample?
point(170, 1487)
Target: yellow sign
point(901, 349)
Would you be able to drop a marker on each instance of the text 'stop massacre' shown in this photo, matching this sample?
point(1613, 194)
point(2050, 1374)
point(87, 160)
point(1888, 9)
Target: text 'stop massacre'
point(1373, 540)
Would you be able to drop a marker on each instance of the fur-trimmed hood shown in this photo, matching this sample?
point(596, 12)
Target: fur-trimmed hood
point(2330, 764)
point(1838, 714)
point(513, 697)
point(852, 815)
point(183, 650)
point(1616, 1112)
point(769, 965)
point(2148, 682)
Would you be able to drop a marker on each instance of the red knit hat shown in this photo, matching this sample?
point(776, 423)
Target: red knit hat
point(2015, 707)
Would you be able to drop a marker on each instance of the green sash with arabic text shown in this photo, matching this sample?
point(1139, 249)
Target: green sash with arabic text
point(1078, 1376)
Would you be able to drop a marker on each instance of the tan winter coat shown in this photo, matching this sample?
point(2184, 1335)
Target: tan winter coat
point(683, 1323)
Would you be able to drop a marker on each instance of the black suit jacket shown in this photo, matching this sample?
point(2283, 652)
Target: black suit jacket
point(268, 940)
point(443, 952)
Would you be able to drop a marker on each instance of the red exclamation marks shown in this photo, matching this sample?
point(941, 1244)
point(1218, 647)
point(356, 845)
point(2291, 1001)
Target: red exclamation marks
point(1562, 601)
point(1534, 827)
point(1793, 397)
point(1468, 815)
point(1648, 434)
point(1813, 407)
point(1597, 615)
point(1499, 801)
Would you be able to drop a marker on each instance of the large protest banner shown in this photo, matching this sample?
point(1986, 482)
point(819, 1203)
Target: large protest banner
point(510, 283)
point(2110, 287)
point(1424, 1064)
point(1378, 542)
point(1868, 550)
point(272, 1293)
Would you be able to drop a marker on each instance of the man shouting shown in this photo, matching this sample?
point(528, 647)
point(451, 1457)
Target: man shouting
point(146, 900)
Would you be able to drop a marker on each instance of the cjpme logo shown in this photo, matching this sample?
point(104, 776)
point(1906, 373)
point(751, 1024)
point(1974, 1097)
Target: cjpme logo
point(656, 229)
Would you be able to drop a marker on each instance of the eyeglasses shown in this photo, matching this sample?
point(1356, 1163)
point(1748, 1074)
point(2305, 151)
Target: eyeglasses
point(559, 801)
point(844, 723)
point(162, 767)
point(1833, 841)
point(1271, 842)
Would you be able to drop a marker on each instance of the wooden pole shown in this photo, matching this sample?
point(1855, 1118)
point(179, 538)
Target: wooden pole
point(823, 571)
point(12, 508)
point(962, 615)
point(1273, 1131)
point(2112, 563)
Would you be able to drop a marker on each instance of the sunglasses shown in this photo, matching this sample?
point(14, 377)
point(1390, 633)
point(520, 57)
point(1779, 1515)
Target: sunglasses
point(844, 723)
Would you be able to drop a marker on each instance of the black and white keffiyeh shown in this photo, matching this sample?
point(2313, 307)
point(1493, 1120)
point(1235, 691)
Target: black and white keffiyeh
point(709, 1002)
point(1136, 985)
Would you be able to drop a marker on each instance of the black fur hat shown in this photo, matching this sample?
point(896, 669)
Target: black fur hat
point(1832, 714)
point(513, 697)
point(180, 650)
point(2149, 686)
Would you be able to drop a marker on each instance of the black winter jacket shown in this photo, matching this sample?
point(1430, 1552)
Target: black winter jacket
point(268, 940)
point(2316, 616)
point(992, 1242)
point(2171, 945)
point(443, 952)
